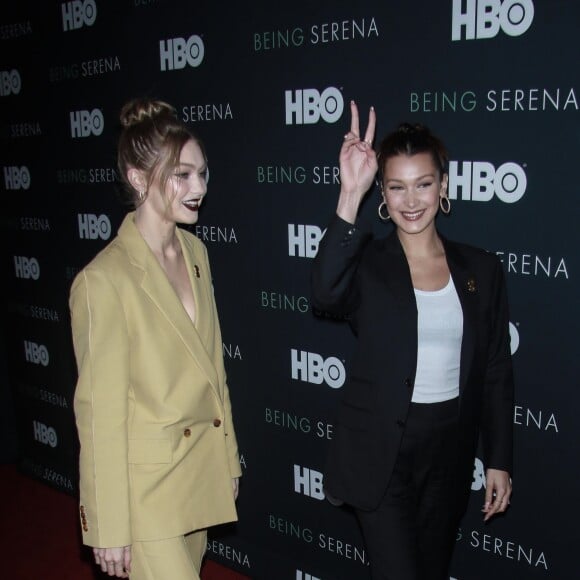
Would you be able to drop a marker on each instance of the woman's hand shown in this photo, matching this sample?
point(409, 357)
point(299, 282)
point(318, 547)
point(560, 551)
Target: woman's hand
point(114, 561)
point(498, 490)
point(358, 165)
point(236, 486)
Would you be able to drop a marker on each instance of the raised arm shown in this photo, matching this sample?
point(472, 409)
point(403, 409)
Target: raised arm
point(334, 267)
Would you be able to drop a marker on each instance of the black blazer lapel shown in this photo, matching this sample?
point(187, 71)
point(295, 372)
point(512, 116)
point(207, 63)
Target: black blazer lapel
point(395, 272)
point(466, 284)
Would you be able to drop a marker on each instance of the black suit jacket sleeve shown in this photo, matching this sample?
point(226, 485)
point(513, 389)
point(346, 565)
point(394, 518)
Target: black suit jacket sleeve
point(497, 423)
point(334, 287)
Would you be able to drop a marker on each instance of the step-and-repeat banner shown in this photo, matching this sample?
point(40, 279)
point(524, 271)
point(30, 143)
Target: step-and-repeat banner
point(267, 85)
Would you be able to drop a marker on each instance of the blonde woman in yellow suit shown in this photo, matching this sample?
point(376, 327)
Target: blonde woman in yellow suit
point(159, 461)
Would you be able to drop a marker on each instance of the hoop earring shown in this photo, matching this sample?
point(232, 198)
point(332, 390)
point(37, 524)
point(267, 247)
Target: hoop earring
point(445, 204)
point(380, 210)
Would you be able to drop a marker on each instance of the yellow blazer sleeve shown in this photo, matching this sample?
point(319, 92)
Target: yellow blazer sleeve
point(101, 404)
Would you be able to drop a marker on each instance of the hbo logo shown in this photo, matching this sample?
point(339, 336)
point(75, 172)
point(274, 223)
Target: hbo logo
point(10, 83)
point(16, 177)
point(308, 482)
point(304, 576)
point(479, 180)
point(478, 481)
point(308, 105)
point(86, 123)
point(36, 353)
point(92, 227)
point(303, 240)
point(310, 367)
point(26, 268)
point(77, 14)
point(514, 338)
point(44, 434)
point(176, 53)
point(484, 18)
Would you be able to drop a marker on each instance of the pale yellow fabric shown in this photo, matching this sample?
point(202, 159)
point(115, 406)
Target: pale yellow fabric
point(174, 558)
point(158, 448)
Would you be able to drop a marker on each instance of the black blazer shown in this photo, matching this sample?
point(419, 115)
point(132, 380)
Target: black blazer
point(369, 280)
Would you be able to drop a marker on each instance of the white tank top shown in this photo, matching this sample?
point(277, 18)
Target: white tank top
point(440, 330)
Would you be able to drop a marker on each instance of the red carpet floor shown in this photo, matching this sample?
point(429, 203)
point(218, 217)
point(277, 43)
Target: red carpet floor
point(40, 537)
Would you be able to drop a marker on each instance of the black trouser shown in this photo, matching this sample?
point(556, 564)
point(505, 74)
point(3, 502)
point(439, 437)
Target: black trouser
point(411, 535)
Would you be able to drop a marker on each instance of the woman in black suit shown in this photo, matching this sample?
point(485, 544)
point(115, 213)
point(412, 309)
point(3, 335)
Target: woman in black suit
point(432, 369)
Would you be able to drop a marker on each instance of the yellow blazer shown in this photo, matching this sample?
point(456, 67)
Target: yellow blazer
point(157, 445)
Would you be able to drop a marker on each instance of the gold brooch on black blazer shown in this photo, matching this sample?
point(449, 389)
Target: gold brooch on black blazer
point(471, 287)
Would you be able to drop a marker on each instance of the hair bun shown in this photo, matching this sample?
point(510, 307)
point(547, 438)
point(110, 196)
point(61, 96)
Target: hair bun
point(410, 129)
point(139, 110)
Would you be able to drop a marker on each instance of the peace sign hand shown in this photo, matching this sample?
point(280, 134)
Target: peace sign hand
point(358, 165)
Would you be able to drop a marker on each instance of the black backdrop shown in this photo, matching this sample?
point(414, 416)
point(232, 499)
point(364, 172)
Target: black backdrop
point(267, 87)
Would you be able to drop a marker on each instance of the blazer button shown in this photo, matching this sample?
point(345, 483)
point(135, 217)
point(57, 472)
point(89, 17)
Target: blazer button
point(400, 423)
point(216, 422)
point(187, 432)
point(407, 382)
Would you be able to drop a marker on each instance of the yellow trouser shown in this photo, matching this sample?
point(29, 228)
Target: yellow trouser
point(175, 558)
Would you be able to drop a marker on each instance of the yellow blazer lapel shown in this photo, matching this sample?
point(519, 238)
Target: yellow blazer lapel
point(200, 283)
point(202, 286)
point(156, 285)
